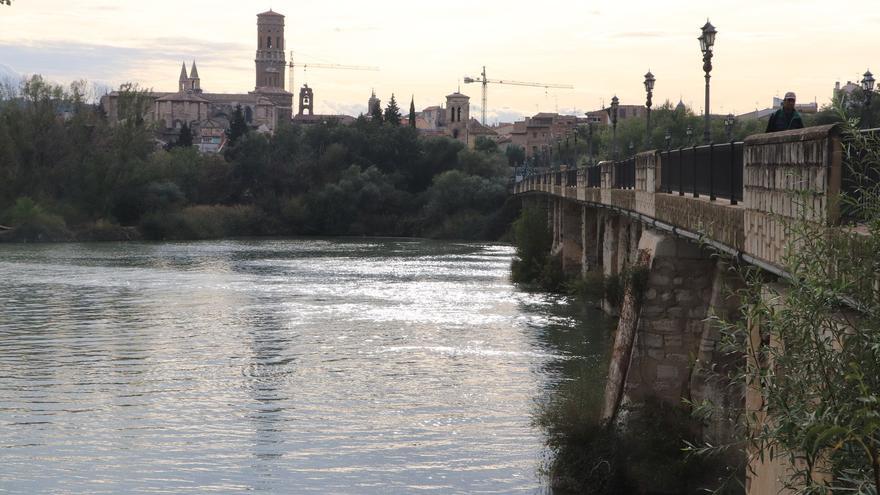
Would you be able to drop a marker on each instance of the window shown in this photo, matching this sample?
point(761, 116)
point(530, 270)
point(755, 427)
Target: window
point(269, 42)
point(459, 114)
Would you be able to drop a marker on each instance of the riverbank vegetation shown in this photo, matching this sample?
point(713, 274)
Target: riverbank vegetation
point(65, 172)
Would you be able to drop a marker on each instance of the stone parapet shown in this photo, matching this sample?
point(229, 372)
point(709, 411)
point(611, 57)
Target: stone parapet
point(721, 222)
point(647, 171)
point(788, 176)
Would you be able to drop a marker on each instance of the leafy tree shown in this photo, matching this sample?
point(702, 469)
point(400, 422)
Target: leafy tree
point(392, 112)
point(516, 155)
point(485, 145)
point(412, 113)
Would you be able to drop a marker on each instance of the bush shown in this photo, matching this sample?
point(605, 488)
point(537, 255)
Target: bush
point(203, 222)
point(32, 223)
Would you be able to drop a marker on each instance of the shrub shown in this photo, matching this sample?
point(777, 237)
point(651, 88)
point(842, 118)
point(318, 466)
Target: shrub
point(32, 223)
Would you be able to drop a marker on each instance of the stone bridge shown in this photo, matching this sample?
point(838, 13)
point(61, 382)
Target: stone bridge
point(672, 212)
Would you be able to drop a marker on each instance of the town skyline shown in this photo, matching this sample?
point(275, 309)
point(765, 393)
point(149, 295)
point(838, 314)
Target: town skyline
point(761, 50)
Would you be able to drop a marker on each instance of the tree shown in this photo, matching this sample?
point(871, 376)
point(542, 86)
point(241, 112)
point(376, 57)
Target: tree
point(237, 126)
point(516, 155)
point(392, 112)
point(376, 111)
point(185, 138)
point(412, 112)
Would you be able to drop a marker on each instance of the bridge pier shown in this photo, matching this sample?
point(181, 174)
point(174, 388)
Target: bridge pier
point(571, 238)
point(589, 239)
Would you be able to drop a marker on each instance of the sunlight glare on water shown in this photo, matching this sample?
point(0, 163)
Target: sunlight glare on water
point(288, 366)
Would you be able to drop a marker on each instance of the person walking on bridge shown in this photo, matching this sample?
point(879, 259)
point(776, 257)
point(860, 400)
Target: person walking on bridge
point(786, 117)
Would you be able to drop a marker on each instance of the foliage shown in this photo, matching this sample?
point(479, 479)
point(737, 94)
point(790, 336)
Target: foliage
point(237, 126)
point(33, 223)
point(328, 178)
point(412, 113)
point(814, 356)
point(592, 458)
point(392, 112)
point(532, 239)
point(185, 139)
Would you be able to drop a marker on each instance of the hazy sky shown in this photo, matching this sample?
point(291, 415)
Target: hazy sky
point(763, 48)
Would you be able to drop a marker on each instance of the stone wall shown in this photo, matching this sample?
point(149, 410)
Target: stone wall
point(786, 176)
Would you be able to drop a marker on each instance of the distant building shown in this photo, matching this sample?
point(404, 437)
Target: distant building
point(538, 134)
point(264, 108)
point(306, 110)
point(765, 113)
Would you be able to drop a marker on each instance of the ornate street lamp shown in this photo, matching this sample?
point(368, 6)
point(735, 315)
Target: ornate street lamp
point(589, 142)
point(690, 134)
point(729, 122)
point(649, 87)
point(707, 40)
point(615, 102)
point(668, 139)
point(868, 88)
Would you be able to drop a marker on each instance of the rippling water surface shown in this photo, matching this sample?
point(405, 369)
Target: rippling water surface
point(290, 366)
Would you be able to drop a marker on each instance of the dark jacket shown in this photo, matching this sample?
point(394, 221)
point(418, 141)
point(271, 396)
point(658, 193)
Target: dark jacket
point(779, 121)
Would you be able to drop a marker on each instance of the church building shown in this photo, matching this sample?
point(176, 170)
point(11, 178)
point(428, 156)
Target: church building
point(209, 114)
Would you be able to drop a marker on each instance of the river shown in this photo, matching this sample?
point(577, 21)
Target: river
point(278, 366)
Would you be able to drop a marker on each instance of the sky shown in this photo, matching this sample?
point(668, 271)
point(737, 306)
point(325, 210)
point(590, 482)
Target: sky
point(424, 49)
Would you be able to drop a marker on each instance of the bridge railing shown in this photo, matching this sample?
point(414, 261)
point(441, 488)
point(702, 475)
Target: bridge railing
point(571, 178)
point(713, 170)
point(594, 176)
point(625, 174)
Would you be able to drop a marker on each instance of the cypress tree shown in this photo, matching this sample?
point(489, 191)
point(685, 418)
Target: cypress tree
point(237, 127)
point(392, 112)
point(185, 139)
point(376, 112)
point(412, 112)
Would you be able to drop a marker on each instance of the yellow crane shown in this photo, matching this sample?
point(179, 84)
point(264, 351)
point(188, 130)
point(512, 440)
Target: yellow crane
point(486, 82)
point(291, 65)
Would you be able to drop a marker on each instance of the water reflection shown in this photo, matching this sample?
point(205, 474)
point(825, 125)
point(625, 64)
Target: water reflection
point(350, 366)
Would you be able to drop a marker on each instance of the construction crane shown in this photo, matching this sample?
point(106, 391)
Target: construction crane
point(486, 82)
point(306, 66)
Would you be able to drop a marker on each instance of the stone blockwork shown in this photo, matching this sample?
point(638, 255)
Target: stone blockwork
point(719, 221)
point(671, 321)
point(788, 175)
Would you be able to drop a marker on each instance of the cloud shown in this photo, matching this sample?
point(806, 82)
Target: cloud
point(75, 60)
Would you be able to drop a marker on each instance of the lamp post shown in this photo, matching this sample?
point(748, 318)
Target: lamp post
point(668, 139)
point(589, 142)
point(614, 104)
point(868, 88)
point(729, 122)
point(707, 40)
point(649, 87)
point(690, 134)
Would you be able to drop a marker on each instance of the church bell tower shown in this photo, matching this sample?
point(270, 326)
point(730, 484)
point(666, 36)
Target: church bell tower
point(270, 61)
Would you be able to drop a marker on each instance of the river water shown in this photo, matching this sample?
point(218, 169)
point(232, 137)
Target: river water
point(277, 366)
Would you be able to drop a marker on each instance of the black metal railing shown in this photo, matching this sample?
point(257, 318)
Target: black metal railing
point(594, 176)
point(571, 178)
point(625, 174)
point(557, 178)
point(714, 170)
